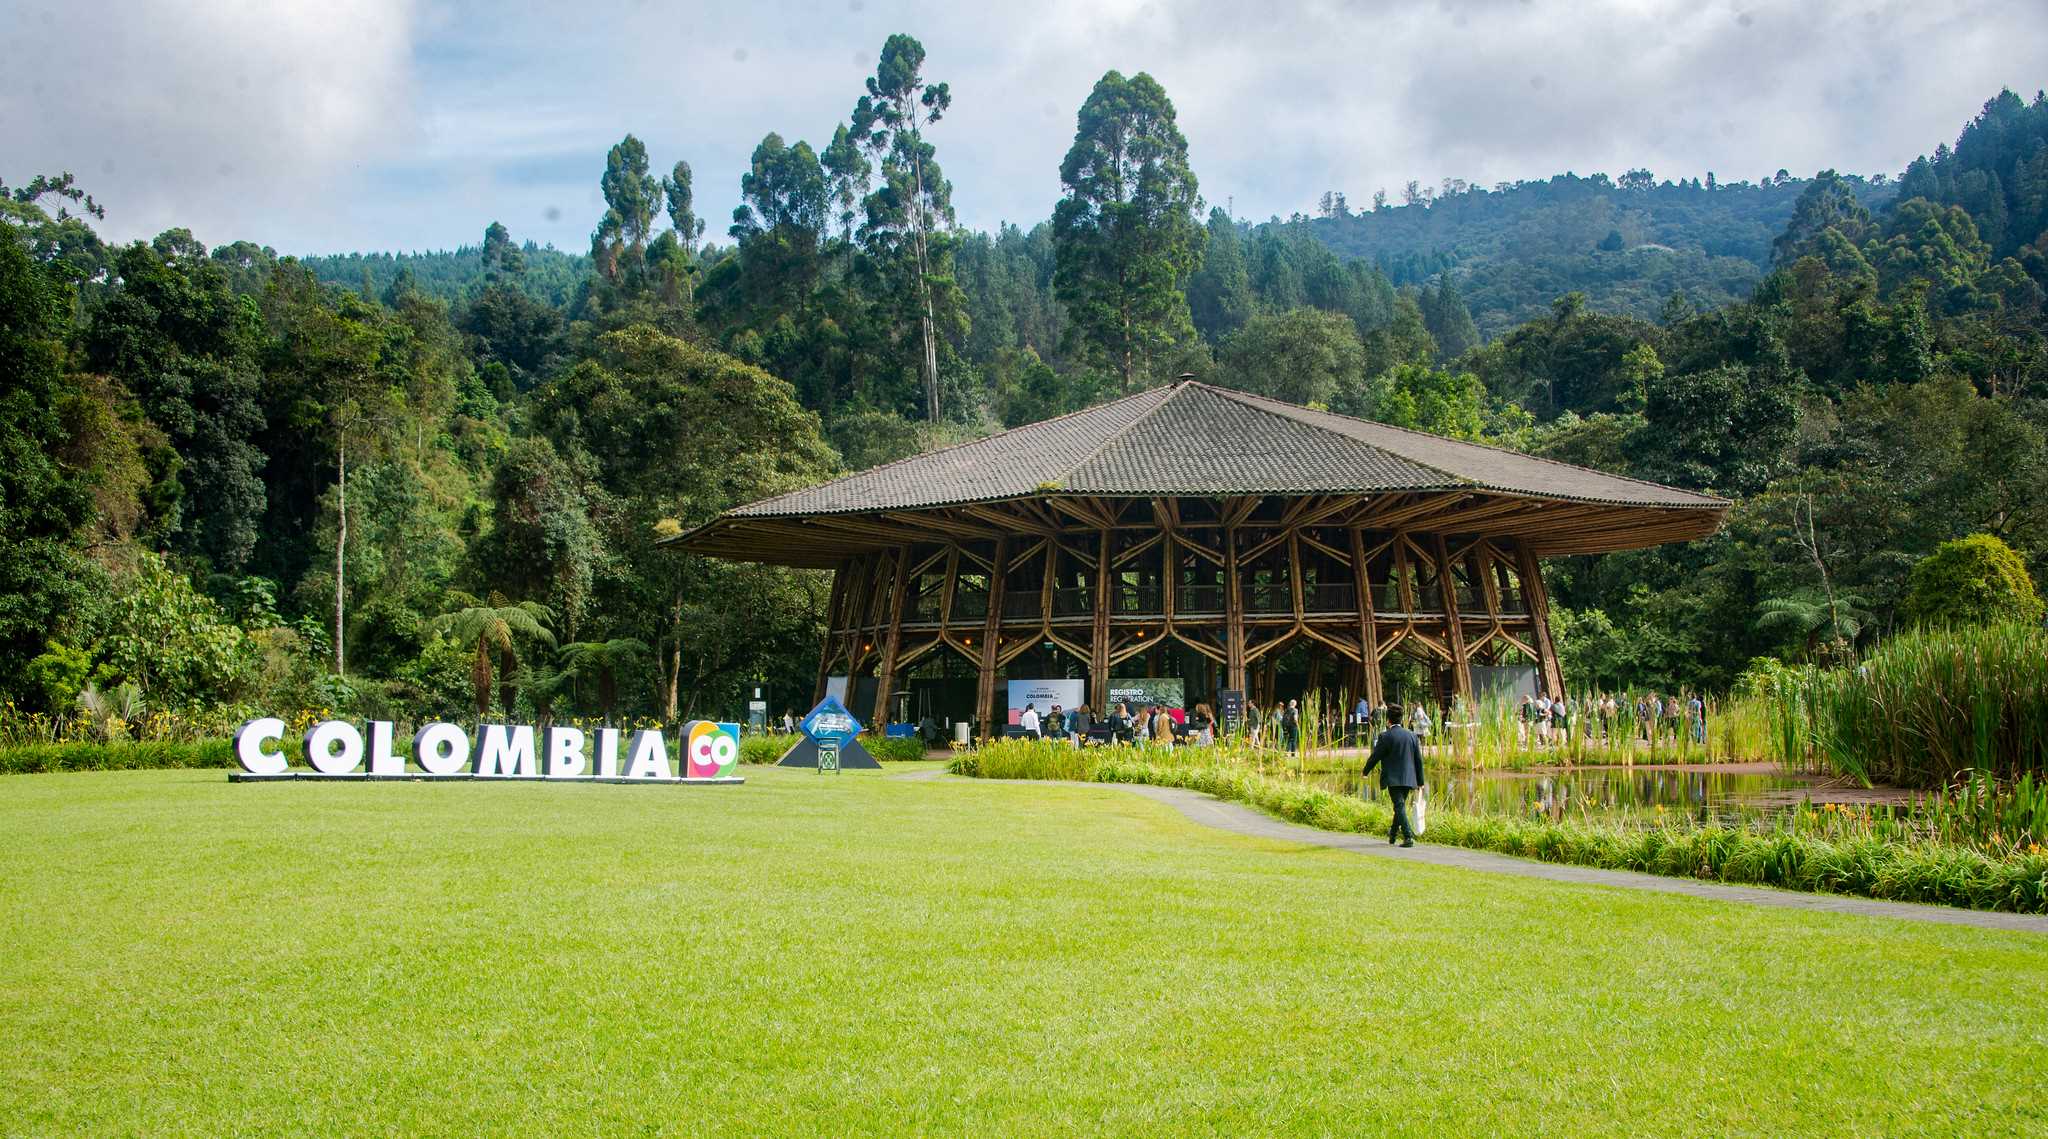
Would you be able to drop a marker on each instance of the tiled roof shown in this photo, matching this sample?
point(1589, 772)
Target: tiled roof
point(1194, 439)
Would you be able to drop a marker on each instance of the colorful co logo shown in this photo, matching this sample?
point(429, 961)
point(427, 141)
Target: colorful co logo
point(712, 750)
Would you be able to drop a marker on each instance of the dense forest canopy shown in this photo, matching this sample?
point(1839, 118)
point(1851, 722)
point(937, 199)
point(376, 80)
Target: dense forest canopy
point(428, 483)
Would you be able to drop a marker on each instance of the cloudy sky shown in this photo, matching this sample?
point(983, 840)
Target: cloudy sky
point(409, 124)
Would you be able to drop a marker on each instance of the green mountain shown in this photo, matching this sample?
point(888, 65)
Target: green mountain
point(1628, 244)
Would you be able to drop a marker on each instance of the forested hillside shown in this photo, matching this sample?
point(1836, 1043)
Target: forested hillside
point(233, 479)
point(548, 274)
point(1629, 244)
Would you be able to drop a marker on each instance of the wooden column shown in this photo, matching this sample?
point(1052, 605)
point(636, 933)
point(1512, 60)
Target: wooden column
point(1233, 612)
point(1294, 573)
point(1368, 631)
point(1098, 644)
point(1454, 628)
point(992, 640)
point(840, 573)
point(1169, 578)
point(892, 640)
point(1539, 615)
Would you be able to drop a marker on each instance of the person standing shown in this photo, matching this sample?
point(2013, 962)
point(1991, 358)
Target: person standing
point(1120, 723)
point(1528, 713)
point(1056, 724)
point(1162, 726)
point(1646, 715)
point(1202, 725)
point(1254, 722)
point(1029, 722)
point(1290, 726)
point(1361, 722)
point(1398, 755)
point(1422, 724)
point(1696, 715)
point(1078, 726)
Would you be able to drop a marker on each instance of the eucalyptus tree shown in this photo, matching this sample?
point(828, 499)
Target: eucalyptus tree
point(682, 208)
point(1126, 232)
point(914, 197)
point(847, 172)
point(632, 198)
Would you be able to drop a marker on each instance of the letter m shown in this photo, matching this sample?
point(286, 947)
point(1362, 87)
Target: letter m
point(507, 751)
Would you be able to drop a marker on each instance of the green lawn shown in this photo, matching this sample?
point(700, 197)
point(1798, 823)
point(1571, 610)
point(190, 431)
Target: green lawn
point(829, 955)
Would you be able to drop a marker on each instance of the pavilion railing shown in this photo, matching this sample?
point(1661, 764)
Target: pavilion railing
point(1198, 599)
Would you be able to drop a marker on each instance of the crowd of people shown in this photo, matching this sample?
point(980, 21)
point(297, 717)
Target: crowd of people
point(1652, 718)
point(1542, 721)
point(1151, 723)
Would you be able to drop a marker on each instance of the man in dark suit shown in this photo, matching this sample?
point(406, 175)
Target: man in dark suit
point(1398, 755)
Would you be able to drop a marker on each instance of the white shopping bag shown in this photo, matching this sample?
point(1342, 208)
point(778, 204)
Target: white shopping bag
point(1421, 809)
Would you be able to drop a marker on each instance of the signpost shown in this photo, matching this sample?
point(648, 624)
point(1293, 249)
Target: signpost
point(828, 756)
point(1232, 701)
point(829, 726)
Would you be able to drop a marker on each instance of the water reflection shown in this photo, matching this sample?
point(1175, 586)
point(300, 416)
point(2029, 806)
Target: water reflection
point(1610, 793)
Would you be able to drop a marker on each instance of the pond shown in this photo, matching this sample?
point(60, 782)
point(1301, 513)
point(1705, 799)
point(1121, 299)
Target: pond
point(1707, 792)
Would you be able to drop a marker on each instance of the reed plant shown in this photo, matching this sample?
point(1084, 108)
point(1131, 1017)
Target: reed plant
point(1818, 850)
point(1927, 709)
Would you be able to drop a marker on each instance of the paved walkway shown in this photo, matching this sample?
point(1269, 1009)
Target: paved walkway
point(1239, 819)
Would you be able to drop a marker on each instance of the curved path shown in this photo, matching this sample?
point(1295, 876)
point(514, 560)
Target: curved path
point(1239, 819)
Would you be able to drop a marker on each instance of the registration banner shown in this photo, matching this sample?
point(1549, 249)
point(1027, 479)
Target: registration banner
point(1136, 694)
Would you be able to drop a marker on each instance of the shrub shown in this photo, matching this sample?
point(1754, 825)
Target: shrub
point(765, 749)
point(895, 750)
point(125, 756)
point(1977, 580)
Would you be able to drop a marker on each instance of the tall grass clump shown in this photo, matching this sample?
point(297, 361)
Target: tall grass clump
point(1927, 709)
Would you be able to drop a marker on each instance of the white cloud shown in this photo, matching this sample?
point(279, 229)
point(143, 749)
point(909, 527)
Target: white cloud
point(231, 117)
point(377, 126)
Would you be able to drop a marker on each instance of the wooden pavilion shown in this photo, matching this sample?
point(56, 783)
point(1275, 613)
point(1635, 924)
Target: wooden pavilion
point(1198, 531)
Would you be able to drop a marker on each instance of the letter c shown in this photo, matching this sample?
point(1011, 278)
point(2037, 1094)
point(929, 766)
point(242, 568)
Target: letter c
point(249, 749)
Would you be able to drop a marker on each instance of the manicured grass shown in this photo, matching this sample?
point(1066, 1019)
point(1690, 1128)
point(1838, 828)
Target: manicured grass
point(852, 955)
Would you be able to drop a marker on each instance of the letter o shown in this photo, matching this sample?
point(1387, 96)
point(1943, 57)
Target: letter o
point(441, 749)
point(249, 741)
point(321, 739)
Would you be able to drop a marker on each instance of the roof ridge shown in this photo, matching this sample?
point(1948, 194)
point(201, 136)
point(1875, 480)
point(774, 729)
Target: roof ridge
point(1243, 396)
point(1256, 403)
point(953, 447)
point(1172, 390)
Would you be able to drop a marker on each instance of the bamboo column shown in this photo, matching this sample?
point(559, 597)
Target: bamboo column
point(1461, 665)
point(1539, 615)
point(992, 639)
point(1368, 631)
point(840, 575)
point(1233, 612)
point(1098, 644)
point(892, 640)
